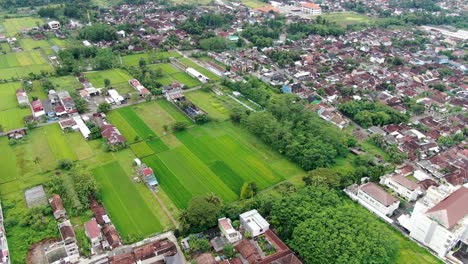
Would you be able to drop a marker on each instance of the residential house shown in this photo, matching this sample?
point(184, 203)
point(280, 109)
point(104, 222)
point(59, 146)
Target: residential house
point(93, 232)
point(115, 97)
point(148, 176)
point(174, 95)
point(57, 207)
point(440, 219)
point(374, 196)
point(402, 186)
point(228, 231)
point(37, 108)
point(139, 87)
point(66, 101)
point(54, 25)
point(111, 236)
point(254, 223)
point(69, 240)
point(22, 97)
point(112, 135)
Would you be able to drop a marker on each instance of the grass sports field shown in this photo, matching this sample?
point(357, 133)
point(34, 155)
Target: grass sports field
point(131, 214)
point(134, 59)
point(347, 18)
point(119, 79)
point(15, 25)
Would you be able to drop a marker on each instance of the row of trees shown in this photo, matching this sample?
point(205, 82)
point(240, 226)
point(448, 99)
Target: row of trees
point(367, 113)
point(293, 130)
point(204, 22)
point(320, 26)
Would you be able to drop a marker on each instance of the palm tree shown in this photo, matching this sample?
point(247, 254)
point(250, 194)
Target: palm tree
point(213, 198)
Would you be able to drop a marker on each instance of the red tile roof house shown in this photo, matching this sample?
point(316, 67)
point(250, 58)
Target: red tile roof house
point(93, 232)
point(37, 108)
point(111, 235)
point(112, 134)
point(57, 207)
point(377, 199)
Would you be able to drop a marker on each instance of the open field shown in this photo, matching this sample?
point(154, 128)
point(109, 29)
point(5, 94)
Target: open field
point(189, 63)
point(125, 205)
point(68, 83)
point(216, 106)
point(134, 59)
point(347, 18)
point(15, 25)
point(253, 3)
point(8, 95)
point(118, 77)
point(412, 253)
point(30, 44)
point(186, 79)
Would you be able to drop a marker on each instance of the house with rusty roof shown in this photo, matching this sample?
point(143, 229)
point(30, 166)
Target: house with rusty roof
point(93, 232)
point(440, 219)
point(57, 207)
point(69, 240)
point(112, 135)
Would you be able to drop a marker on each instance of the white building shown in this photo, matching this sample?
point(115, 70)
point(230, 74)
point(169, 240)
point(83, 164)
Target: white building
point(311, 8)
point(440, 219)
point(54, 25)
point(253, 222)
point(87, 43)
point(228, 231)
point(194, 73)
point(81, 126)
point(115, 96)
point(402, 186)
point(374, 196)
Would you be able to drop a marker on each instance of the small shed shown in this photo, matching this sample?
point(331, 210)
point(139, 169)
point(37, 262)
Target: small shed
point(35, 196)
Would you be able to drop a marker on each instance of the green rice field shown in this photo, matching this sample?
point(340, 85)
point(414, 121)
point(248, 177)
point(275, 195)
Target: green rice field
point(20, 64)
point(11, 116)
point(128, 210)
point(215, 157)
point(15, 25)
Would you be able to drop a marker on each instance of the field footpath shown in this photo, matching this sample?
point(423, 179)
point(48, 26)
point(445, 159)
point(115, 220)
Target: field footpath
point(166, 211)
